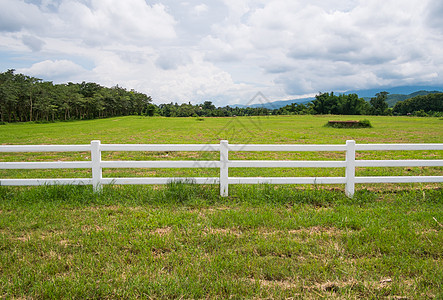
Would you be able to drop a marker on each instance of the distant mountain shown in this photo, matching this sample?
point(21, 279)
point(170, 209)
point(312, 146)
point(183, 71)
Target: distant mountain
point(394, 98)
point(395, 94)
point(282, 103)
point(401, 90)
point(277, 104)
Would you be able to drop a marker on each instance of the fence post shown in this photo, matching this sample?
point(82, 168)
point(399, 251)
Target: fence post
point(224, 168)
point(96, 158)
point(350, 168)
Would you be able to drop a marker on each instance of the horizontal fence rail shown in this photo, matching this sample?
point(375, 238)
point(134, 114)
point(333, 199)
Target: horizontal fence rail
point(97, 165)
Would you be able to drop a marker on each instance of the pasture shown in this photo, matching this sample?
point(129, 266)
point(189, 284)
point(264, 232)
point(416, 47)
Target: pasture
point(184, 241)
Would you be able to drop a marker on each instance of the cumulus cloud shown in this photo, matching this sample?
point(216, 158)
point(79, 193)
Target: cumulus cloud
point(53, 70)
point(34, 43)
point(206, 82)
point(172, 59)
point(114, 21)
point(328, 48)
point(200, 8)
point(17, 15)
point(434, 16)
point(228, 50)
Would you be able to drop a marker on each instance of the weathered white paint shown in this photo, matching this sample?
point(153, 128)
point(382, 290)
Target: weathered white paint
point(97, 165)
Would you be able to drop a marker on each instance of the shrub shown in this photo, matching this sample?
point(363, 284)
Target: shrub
point(365, 123)
point(349, 124)
point(420, 113)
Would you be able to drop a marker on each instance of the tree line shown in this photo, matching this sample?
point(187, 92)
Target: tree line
point(428, 105)
point(208, 109)
point(324, 103)
point(24, 98)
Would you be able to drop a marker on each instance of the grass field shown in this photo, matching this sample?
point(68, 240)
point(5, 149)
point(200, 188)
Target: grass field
point(266, 130)
point(260, 130)
point(184, 241)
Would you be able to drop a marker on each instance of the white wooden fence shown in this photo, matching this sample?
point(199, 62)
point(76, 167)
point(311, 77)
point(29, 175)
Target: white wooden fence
point(96, 164)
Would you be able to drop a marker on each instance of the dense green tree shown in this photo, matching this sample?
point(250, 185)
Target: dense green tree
point(208, 105)
point(150, 110)
point(322, 104)
point(379, 106)
point(429, 104)
point(25, 98)
point(352, 105)
point(325, 103)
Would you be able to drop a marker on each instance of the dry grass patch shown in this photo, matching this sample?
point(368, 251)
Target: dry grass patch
point(25, 238)
point(332, 231)
point(92, 228)
point(223, 231)
point(282, 284)
point(162, 231)
point(312, 231)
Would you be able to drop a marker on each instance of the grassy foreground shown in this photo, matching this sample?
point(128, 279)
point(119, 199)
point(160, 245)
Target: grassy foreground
point(183, 241)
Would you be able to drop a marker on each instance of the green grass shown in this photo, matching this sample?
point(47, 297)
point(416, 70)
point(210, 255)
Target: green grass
point(184, 241)
point(268, 130)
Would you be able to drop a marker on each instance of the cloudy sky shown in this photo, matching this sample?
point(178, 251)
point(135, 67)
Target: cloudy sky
point(226, 50)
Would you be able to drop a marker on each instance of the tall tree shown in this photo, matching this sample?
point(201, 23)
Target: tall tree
point(25, 98)
point(427, 103)
point(379, 104)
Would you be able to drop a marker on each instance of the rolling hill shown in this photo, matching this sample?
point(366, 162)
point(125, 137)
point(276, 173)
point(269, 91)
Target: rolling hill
point(395, 95)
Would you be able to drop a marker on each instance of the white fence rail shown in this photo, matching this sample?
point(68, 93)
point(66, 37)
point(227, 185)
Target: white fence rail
point(97, 165)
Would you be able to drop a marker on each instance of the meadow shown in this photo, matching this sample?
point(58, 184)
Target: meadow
point(184, 241)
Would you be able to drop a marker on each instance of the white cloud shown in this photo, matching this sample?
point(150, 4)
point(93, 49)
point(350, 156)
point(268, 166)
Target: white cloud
point(195, 81)
point(52, 70)
point(35, 44)
point(17, 15)
point(114, 21)
point(331, 49)
point(227, 50)
point(172, 59)
point(200, 8)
